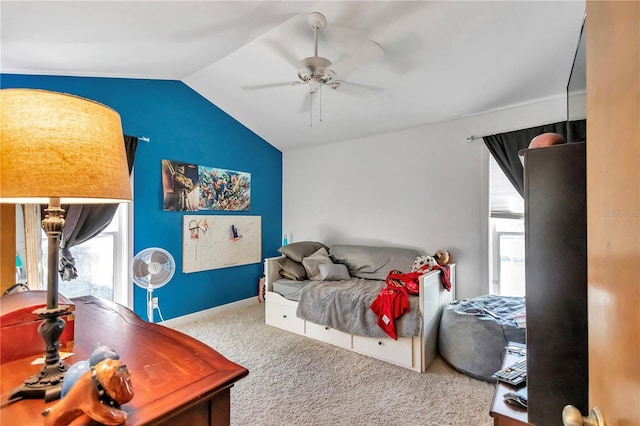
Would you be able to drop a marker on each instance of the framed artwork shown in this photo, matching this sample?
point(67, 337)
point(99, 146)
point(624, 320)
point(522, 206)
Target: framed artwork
point(180, 186)
point(222, 189)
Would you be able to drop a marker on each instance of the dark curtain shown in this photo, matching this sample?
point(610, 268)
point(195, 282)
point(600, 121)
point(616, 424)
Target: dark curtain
point(85, 221)
point(505, 146)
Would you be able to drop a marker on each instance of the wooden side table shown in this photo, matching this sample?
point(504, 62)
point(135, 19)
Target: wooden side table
point(505, 414)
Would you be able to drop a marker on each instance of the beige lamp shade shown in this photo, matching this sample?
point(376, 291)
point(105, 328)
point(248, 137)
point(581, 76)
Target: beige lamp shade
point(60, 145)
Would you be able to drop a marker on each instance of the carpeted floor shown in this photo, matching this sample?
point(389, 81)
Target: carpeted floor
point(295, 380)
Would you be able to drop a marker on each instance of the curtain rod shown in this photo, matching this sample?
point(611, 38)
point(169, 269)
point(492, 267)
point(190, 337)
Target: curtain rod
point(144, 139)
point(474, 137)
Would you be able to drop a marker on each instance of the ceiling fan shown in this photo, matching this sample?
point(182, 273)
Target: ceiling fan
point(316, 71)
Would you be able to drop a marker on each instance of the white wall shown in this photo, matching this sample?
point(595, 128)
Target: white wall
point(424, 188)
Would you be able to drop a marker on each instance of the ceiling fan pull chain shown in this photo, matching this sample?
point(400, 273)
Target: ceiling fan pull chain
point(310, 110)
point(320, 93)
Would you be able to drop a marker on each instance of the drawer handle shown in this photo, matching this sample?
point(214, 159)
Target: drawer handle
point(379, 343)
point(326, 328)
point(284, 316)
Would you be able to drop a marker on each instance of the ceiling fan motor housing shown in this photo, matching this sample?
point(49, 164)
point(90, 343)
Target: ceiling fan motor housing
point(315, 67)
point(317, 20)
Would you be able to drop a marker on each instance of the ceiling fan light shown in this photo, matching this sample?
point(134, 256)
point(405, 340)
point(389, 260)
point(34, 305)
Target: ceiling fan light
point(315, 66)
point(304, 74)
point(314, 84)
point(328, 75)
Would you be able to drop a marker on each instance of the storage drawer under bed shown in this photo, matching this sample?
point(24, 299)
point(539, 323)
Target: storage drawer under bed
point(396, 351)
point(283, 316)
point(328, 335)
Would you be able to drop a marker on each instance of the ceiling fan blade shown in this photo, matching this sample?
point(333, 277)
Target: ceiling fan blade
point(401, 53)
point(369, 20)
point(271, 85)
point(305, 104)
point(360, 85)
point(230, 17)
point(368, 52)
point(341, 31)
point(284, 53)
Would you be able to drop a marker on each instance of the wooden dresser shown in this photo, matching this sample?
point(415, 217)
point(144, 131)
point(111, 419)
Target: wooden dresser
point(176, 379)
point(555, 199)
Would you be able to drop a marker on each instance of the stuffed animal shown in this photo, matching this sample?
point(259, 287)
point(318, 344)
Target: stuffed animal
point(423, 263)
point(442, 257)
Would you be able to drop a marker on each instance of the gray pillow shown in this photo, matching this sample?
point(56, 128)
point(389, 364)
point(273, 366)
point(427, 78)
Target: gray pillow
point(292, 270)
point(300, 250)
point(373, 263)
point(333, 272)
point(287, 276)
point(311, 263)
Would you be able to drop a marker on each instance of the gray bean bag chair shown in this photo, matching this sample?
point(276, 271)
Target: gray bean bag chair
point(474, 333)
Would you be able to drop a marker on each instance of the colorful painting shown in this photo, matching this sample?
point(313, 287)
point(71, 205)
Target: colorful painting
point(180, 186)
point(222, 189)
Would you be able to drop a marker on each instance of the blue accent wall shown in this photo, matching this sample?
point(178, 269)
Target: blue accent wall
point(182, 126)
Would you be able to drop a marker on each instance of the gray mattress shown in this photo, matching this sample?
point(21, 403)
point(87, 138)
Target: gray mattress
point(289, 289)
point(344, 305)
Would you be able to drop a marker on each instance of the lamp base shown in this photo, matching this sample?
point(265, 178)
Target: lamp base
point(47, 383)
point(48, 392)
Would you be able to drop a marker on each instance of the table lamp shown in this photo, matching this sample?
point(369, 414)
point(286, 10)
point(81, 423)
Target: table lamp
point(57, 149)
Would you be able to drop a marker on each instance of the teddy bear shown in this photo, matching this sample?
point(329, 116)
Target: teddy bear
point(443, 257)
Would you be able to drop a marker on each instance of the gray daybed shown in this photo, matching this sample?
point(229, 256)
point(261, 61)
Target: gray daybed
point(327, 295)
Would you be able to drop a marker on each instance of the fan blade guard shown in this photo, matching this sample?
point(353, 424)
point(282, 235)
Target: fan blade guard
point(152, 268)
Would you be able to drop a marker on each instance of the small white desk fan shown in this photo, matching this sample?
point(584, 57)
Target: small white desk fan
point(150, 269)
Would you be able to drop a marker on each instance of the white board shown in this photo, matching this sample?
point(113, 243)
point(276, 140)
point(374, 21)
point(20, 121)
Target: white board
point(208, 241)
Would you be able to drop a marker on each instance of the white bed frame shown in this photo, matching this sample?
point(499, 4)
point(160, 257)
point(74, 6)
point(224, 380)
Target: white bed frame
point(415, 353)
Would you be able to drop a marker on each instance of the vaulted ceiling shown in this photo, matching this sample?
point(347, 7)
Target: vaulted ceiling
point(401, 64)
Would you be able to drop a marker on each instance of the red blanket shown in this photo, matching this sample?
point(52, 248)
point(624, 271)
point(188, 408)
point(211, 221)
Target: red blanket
point(393, 300)
point(411, 280)
point(445, 276)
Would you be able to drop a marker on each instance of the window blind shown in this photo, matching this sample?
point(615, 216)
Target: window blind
point(505, 202)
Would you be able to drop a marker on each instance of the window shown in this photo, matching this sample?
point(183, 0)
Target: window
point(101, 263)
point(506, 246)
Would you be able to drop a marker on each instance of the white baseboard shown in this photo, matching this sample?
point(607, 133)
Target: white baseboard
point(207, 313)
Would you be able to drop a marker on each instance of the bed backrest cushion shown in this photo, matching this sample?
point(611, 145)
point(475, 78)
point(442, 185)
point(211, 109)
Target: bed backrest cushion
point(301, 249)
point(292, 270)
point(373, 262)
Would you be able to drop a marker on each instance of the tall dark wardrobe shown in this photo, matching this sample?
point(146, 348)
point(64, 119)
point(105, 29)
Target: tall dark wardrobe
point(555, 196)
